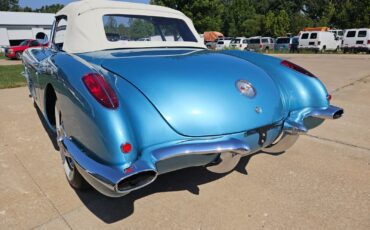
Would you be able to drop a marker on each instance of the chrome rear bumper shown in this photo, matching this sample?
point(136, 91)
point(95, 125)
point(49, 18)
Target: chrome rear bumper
point(117, 181)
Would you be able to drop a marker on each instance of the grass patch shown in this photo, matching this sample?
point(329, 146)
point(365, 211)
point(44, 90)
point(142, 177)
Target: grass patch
point(2, 56)
point(10, 76)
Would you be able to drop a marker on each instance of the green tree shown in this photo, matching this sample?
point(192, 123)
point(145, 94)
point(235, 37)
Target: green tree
point(206, 14)
point(269, 23)
point(351, 14)
point(50, 8)
point(9, 5)
point(298, 21)
point(281, 27)
point(240, 18)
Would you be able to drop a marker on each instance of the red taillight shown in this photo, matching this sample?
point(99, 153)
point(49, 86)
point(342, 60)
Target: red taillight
point(260, 45)
point(297, 68)
point(368, 42)
point(126, 148)
point(101, 90)
point(328, 97)
point(129, 170)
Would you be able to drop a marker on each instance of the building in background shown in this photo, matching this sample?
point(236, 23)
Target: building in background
point(18, 26)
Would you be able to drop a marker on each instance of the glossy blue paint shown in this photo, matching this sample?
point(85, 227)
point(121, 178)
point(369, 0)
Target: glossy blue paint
point(168, 97)
point(202, 100)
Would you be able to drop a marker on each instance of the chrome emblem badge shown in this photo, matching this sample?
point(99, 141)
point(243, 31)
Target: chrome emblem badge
point(246, 88)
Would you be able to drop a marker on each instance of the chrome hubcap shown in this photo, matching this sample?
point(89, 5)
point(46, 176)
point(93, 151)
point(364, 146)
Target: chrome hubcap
point(67, 161)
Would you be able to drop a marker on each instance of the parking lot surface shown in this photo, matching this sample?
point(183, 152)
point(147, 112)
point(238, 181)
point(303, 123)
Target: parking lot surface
point(323, 182)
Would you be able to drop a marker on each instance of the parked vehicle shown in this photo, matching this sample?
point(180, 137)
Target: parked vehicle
point(223, 43)
point(127, 111)
point(319, 41)
point(294, 45)
point(338, 33)
point(240, 43)
point(2, 49)
point(283, 43)
point(356, 40)
point(211, 38)
point(261, 44)
point(15, 52)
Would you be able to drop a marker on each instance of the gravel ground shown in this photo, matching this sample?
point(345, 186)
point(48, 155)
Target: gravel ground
point(320, 183)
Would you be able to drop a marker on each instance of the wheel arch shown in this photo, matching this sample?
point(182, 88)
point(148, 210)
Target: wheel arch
point(50, 99)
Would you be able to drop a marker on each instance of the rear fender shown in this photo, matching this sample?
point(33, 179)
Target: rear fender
point(298, 91)
point(96, 130)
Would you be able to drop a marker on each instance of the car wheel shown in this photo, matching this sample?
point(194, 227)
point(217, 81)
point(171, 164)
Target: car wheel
point(73, 176)
point(18, 55)
point(323, 49)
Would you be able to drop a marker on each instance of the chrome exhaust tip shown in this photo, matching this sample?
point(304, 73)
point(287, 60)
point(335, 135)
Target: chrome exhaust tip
point(332, 112)
point(338, 114)
point(135, 181)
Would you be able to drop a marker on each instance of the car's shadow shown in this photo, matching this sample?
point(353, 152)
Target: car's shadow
point(51, 133)
point(111, 210)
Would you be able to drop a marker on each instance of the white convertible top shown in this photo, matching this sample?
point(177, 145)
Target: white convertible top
point(85, 29)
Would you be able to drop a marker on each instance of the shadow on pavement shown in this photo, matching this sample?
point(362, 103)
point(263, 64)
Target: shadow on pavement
point(51, 133)
point(111, 210)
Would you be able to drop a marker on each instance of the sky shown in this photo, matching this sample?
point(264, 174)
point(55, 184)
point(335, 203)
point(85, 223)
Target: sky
point(38, 3)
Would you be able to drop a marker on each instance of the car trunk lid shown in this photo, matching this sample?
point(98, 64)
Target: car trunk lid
point(196, 92)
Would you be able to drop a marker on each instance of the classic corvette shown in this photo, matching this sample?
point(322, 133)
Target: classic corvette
point(131, 92)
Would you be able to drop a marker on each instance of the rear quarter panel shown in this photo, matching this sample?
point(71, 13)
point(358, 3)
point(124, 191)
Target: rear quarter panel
point(297, 90)
point(95, 129)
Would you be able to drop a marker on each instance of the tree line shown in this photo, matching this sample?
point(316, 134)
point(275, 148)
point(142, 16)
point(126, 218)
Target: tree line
point(254, 17)
point(271, 17)
point(13, 5)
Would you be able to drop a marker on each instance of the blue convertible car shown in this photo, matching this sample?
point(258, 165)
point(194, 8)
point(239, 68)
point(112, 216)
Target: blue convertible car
point(132, 93)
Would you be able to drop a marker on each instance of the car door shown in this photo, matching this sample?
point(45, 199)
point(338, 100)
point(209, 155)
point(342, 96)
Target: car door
point(313, 40)
point(361, 38)
point(303, 40)
point(350, 38)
